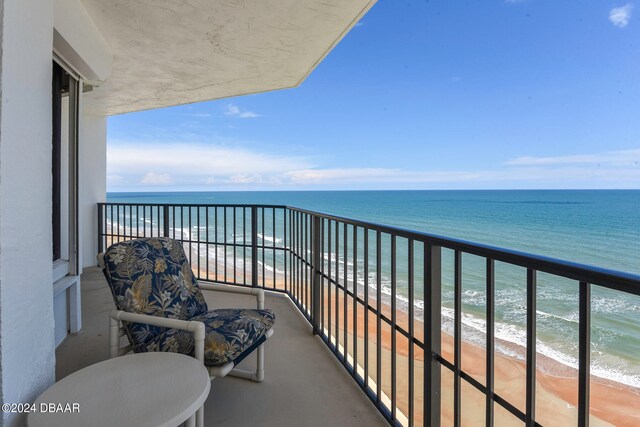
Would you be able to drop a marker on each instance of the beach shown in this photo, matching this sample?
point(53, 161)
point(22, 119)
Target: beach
point(611, 403)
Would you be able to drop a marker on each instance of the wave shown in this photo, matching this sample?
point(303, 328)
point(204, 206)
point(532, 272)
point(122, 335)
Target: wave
point(269, 268)
point(571, 318)
point(269, 238)
point(603, 365)
point(474, 331)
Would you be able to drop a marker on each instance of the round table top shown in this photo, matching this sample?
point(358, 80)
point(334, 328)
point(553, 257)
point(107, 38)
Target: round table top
point(144, 389)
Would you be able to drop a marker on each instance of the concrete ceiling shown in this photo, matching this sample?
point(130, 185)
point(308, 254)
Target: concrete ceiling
point(171, 52)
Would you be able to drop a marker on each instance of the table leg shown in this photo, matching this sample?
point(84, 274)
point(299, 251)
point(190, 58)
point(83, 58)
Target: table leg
point(200, 417)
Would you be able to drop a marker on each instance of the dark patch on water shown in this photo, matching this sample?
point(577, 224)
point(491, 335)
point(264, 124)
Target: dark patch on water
point(510, 202)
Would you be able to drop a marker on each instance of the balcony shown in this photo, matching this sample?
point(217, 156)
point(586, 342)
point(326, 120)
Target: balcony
point(379, 298)
point(303, 380)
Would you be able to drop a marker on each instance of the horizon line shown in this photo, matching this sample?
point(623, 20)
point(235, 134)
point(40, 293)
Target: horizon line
point(370, 190)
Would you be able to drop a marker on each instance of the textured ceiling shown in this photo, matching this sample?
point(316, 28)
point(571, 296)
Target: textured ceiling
point(170, 52)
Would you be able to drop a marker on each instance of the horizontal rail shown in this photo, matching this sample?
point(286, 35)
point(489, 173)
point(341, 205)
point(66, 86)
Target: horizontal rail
point(195, 205)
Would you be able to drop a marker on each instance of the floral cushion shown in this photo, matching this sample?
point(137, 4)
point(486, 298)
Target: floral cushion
point(152, 276)
point(229, 333)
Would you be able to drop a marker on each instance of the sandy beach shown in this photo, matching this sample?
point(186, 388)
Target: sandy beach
point(611, 403)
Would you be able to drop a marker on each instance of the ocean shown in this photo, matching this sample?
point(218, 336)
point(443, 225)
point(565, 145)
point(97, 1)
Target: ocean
point(596, 227)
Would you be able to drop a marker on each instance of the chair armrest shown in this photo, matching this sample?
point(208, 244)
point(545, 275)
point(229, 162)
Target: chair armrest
point(197, 328)
point(100, 258)
point(257, 292)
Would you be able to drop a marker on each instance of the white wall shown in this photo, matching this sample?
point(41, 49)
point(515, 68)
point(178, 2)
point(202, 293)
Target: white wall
point(27, 356)
point(92, 183)
point(79, 42)
point(26, 309)
point(61, 317)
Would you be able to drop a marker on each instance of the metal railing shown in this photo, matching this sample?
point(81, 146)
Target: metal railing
point(348, 277)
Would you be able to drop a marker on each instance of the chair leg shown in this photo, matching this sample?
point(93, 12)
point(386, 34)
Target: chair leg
point(260, 367)
point(258, 375)
point(114, 337)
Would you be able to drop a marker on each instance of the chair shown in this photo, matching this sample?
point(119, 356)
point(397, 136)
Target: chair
point(161, 308)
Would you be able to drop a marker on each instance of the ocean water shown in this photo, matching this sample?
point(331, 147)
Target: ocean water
point(600, 227)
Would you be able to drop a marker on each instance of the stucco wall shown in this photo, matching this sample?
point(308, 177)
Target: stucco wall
point(26, 311)
point(92, 183)
point(79, 42)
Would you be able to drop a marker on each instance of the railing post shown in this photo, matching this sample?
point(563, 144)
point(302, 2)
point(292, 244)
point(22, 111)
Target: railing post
point(165, 221)
point(316, 240)
point(432, 313)
point(254, 246)
point(100, 228)
point(584, 353)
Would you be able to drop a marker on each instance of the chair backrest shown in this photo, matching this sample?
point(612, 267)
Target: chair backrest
point(152, 276)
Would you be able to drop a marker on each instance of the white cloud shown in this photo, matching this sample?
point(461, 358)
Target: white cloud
point(524, 175)
point(235, 111)
point(619, 16)
point(609, 158)
point(198, 166)
point(194, 159)
point(192, 164)
point(152, 178)
point(375, 175)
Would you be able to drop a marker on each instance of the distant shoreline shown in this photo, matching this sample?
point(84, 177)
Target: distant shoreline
point(156, 192)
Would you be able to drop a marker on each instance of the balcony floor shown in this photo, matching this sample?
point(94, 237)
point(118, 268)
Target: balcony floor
point(304, 383)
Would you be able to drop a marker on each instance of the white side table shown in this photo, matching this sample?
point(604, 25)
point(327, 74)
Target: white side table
point(144, 389)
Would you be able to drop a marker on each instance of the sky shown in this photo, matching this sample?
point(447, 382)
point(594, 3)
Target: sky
point(485, 94)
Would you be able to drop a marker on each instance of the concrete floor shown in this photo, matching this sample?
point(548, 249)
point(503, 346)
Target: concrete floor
point(304, 384)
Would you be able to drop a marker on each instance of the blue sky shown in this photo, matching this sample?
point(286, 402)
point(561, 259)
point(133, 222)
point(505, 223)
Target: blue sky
point(419, 95)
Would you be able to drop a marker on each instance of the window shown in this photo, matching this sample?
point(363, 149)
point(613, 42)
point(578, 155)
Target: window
point(64, 170)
